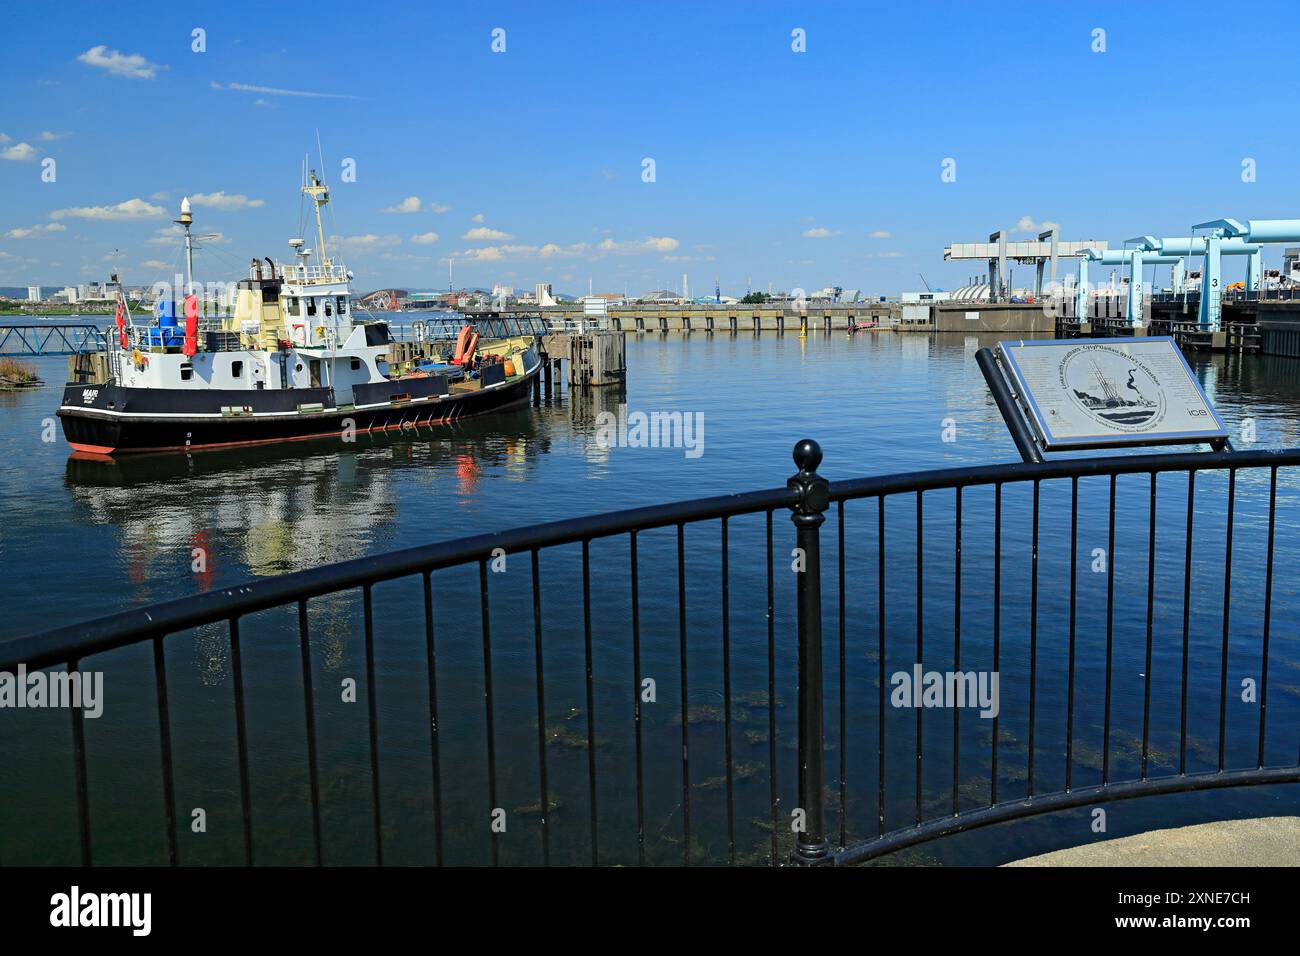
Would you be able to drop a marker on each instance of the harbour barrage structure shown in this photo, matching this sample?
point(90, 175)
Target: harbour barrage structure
point(1193, 309)
point(936, 315)
point(1042, 253)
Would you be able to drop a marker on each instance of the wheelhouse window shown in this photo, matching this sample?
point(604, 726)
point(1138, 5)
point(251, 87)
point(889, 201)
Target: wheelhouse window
point(237, 369)
point(356, 365)
point(342, 304)
point(187, 372)
point(295, 308)
point(311, 306)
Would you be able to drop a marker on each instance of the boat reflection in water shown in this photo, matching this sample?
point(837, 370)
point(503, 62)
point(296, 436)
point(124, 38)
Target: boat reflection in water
point(273, 509)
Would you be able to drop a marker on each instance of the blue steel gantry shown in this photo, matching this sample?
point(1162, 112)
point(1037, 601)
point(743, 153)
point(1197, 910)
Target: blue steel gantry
point(1224, 237)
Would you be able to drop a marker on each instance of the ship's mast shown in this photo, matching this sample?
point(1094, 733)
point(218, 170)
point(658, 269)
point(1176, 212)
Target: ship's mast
point(1107, 389)
point(320, 195)
point(185, 221)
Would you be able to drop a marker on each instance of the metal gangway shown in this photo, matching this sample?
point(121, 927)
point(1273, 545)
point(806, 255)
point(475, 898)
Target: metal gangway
point(43, 338)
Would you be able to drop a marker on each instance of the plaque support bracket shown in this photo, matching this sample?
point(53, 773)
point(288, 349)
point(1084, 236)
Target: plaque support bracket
point(1005, 399)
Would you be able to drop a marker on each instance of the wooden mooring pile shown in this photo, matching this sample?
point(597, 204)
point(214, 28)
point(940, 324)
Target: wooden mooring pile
point(596, 359)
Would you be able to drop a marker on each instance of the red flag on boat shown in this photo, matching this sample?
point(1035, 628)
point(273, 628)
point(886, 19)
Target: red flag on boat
point(120, 319)
point(191, 325)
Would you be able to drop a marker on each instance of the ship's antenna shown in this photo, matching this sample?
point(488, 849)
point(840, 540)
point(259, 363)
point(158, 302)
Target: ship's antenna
point(302, 194)
point(321, 153)
point(320, 195)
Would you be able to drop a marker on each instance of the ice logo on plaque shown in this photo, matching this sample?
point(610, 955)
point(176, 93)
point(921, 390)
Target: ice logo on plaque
point(1113, 387)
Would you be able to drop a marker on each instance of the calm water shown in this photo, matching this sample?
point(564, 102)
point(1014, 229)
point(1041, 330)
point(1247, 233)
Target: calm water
point(81, 538)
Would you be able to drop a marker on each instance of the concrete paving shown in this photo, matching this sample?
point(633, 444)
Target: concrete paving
point(1264, 841)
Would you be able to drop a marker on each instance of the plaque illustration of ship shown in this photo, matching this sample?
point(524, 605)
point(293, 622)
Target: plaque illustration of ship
point(1124, 406)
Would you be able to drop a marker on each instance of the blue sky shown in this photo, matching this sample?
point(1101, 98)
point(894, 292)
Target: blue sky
point(795, 169)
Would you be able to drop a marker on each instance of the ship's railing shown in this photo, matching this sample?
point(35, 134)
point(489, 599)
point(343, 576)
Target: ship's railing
point(444, 329)
point(1101, 590)
point(299, 273)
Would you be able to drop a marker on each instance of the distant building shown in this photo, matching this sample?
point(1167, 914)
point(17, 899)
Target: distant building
point(544, 295)
point(605, 298)
point(1291, 266)
point(664, 296)
point(34, 293)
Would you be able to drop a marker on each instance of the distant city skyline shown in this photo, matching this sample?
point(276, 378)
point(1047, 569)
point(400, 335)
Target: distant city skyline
point(748, 143)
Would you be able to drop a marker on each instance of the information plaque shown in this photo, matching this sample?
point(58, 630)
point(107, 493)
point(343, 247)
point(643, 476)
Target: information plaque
point(1104, 393)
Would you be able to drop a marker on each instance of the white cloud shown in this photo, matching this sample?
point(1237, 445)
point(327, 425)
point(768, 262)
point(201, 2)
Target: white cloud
point(1027, 224)
point(155, 264)
point(160, 197)
point(488, 253)
point(165, 236)
point(891, 255)
point(438, 207)
point(425, 238)
point(366, 241)
point(407, 205)
point(550, 250)
point(276, 91)
point(48, 137)
point(120, 64)
point(882, 234)
point(19, 153)
point(23, 233)
point(820, 232)
point(478, 217)
point(480, 233)
point(226, 203)
point(553, 250)
point(130, 209)
point(3, 139)
point(649, 244)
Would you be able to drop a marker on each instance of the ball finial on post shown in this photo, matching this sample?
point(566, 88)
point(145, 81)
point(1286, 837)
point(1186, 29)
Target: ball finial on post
point(807, 455)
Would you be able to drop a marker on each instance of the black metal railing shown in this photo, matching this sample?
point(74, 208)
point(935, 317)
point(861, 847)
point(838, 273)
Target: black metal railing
point(985, 574)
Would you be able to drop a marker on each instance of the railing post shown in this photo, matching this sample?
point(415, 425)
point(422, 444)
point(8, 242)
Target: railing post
point(808, 515)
